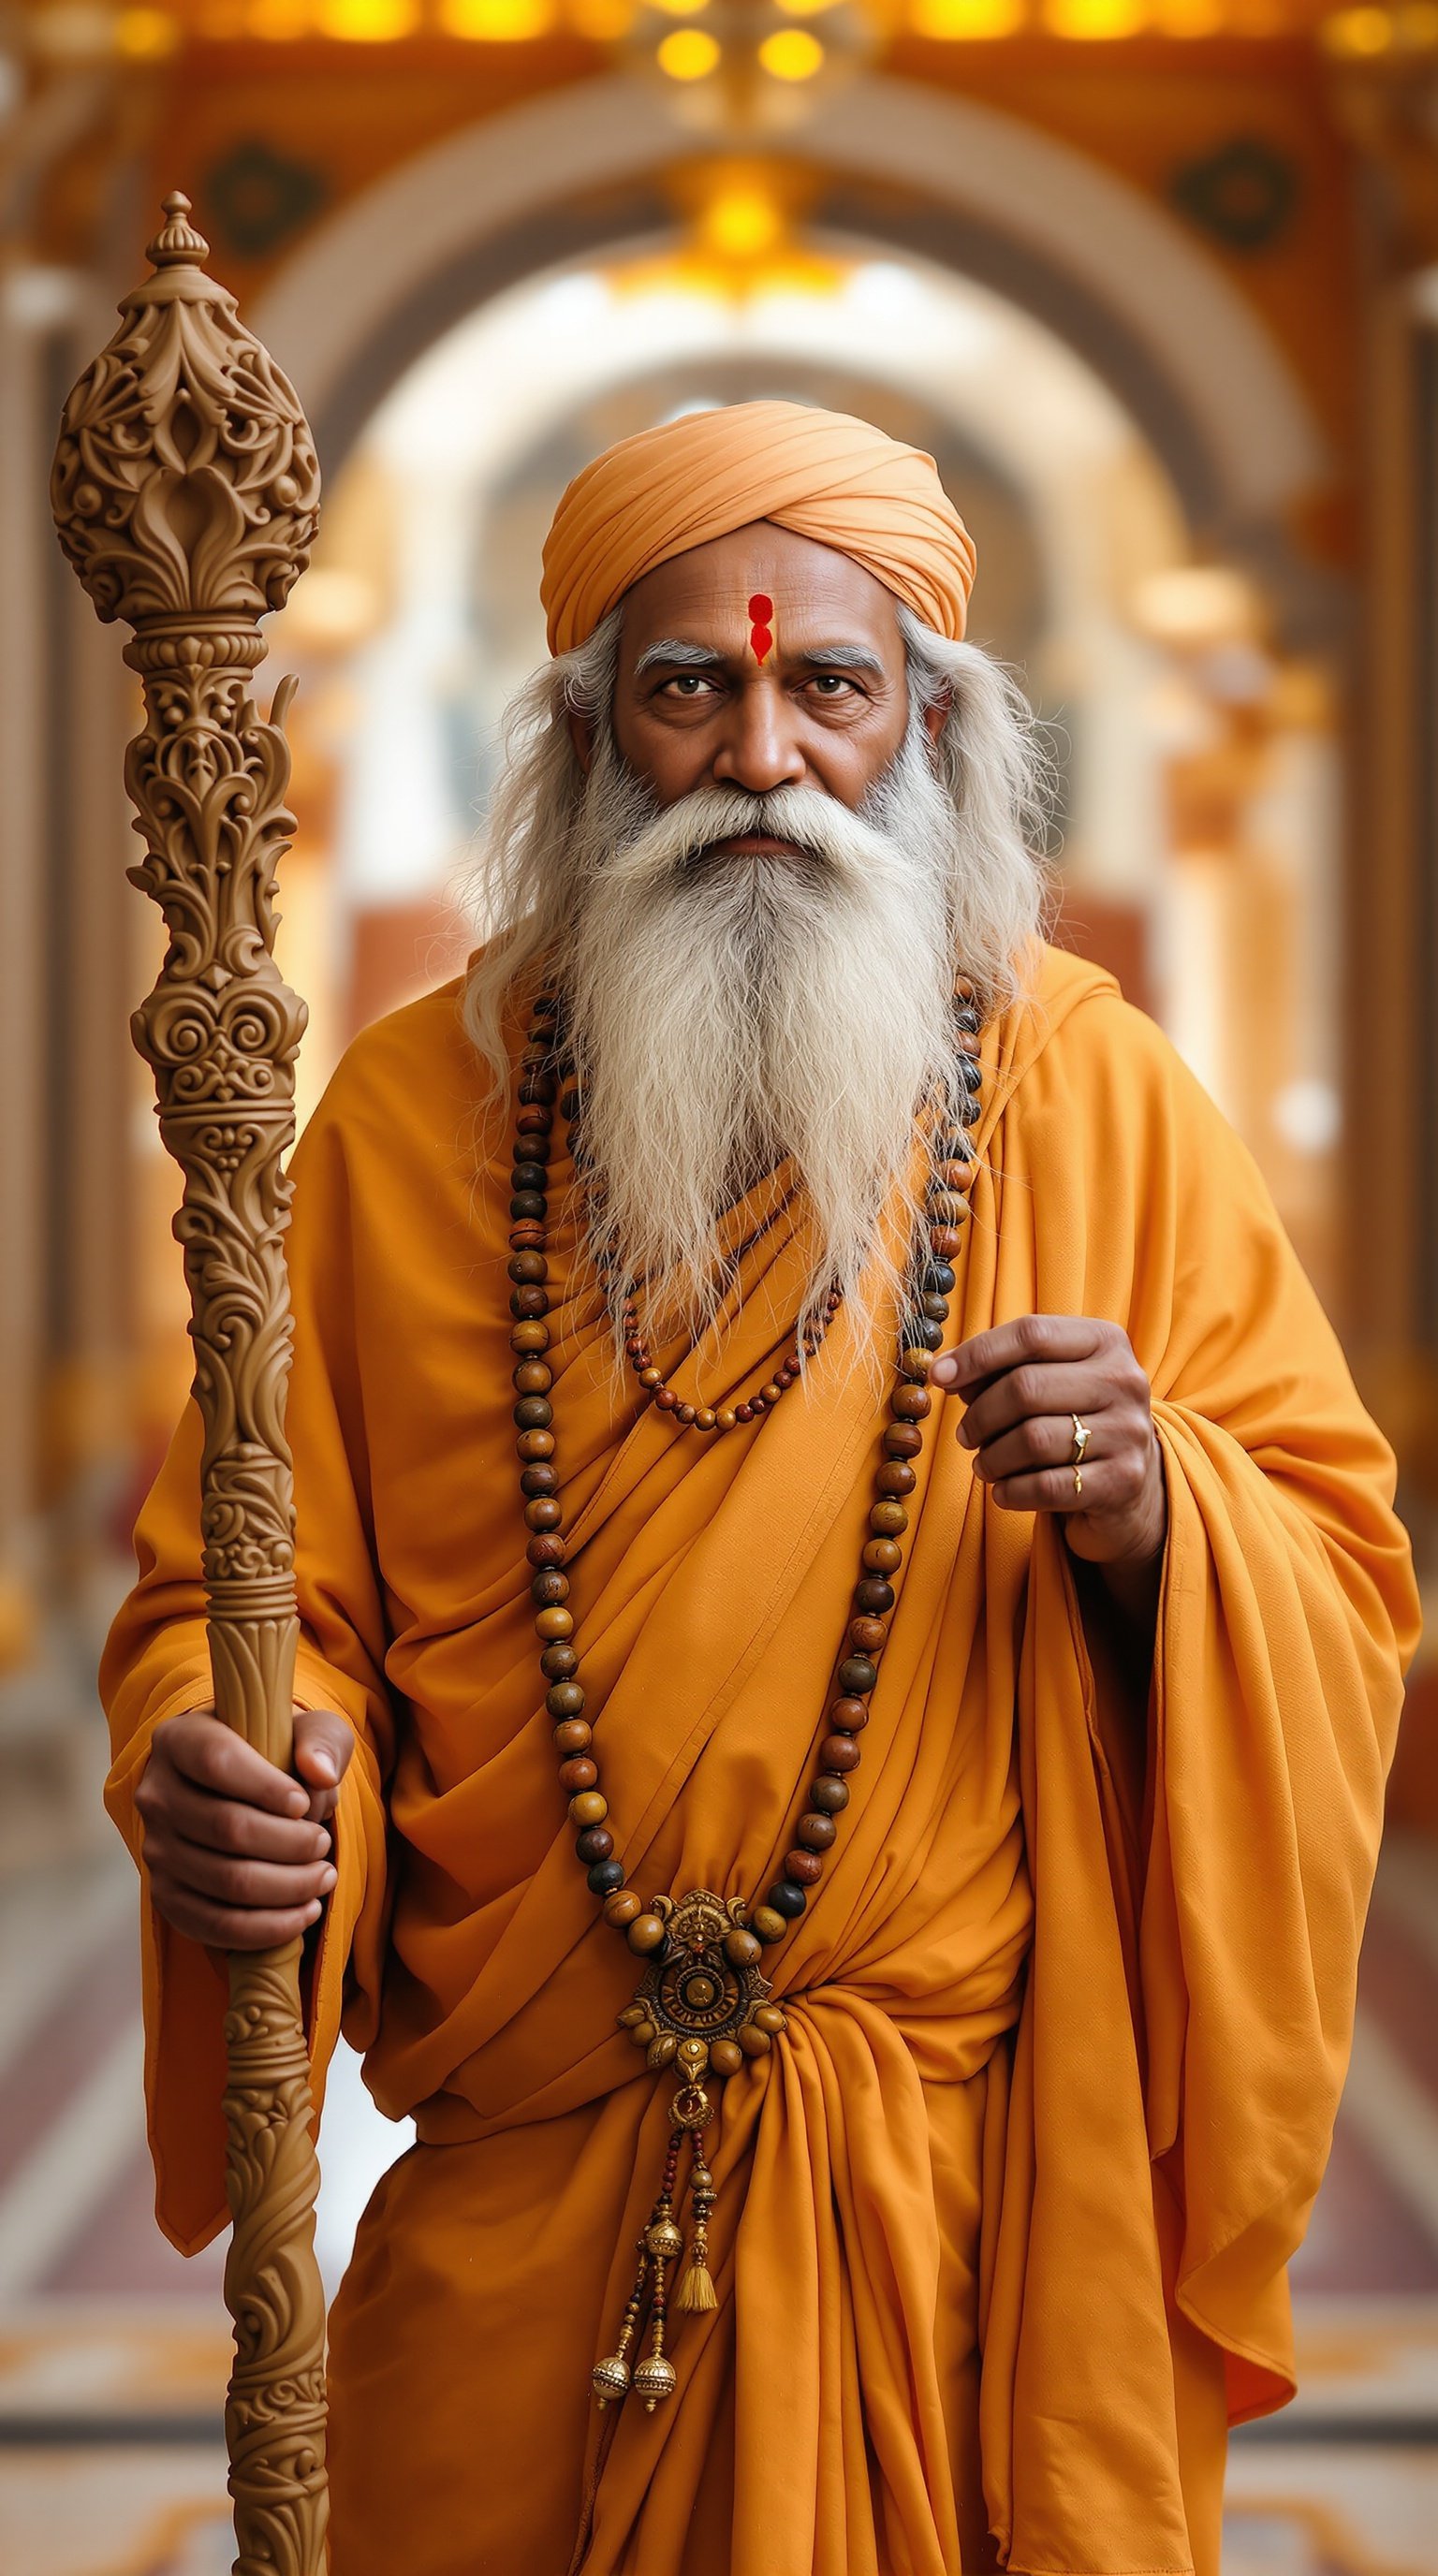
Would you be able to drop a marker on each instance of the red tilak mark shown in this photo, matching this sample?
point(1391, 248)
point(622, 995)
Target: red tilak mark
point(761, 632)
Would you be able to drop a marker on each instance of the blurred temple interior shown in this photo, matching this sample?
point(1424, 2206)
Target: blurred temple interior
point(1156, 281)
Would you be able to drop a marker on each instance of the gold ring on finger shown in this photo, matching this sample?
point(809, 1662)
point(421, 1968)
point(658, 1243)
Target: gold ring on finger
point(1078, 1479)
point(1082, 1436)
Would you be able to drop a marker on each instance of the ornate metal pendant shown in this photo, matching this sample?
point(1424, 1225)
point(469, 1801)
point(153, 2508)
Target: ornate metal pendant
point(702, 2009)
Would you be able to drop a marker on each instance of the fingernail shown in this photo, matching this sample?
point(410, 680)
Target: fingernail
point(327, 1879)
point(313, 1911)
point(324, 1763)
point(966, 1437)
point(298, 1802)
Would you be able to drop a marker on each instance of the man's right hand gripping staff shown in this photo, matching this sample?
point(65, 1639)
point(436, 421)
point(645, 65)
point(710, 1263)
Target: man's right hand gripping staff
point(237, 1852)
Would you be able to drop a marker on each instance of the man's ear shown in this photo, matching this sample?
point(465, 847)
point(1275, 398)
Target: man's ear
point(937, 715)
point(581, 734)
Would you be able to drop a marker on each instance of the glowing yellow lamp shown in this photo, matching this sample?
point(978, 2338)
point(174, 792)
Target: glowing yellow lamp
point(791, 54)
point(966, 21)
point(687, 54)
point(1096, 20)
point(145, 35)
point(497, 22)
point(368, 22)
point(742, 223)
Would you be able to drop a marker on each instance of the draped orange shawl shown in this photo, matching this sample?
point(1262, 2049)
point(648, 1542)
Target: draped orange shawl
point(1165, 2021)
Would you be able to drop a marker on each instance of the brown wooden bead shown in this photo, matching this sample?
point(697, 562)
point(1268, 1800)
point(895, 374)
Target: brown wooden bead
point(887, 1519)
point(684, 1413)
point(944, 1241)
point(529, 1337)
point(829, 1797)
point(573, 1735)
point(565, 1700)
point(580, 1773)
point(896, 1477)
point(867, 1636)
point(916, 1363)
point(594, 1844)
point(527, 1269)
point(804, 1868)
point(883, 1556)
point(817, 1833)
point(872, 1593)
point(838, 1753)
point(725, 2056)
point(535, 1444)
point(533, 1377)
point(548, 1587)
point(904, 1439)
point(741, 1948)
point(545, 1549)
point(621, 1909)
point(666, 1399)
point(770, 1925)
point(645, 1933)
point(529, 1235)
point(948, 1207)
point(534, 1119)
point(768, 2017)
point(770, 1392)
point(651, 1377)
point(544, 1513)
point(850, 1716)
point(554, 1626)
point(558, 1661)
point(539, 1479)
point(754, 2041)
point(641, 2032)
point(589, 1808)
point(957, 1176)
point(704, 1418)
point(527, 1303)
point(911, 1403)
point(724, 1420)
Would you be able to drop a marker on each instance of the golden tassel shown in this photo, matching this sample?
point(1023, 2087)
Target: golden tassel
point(697, 2295)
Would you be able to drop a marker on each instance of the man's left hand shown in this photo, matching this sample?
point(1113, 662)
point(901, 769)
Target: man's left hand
point(1021, 1385)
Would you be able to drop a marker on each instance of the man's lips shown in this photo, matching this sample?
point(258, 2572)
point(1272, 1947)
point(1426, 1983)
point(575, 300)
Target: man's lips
point(755, 845)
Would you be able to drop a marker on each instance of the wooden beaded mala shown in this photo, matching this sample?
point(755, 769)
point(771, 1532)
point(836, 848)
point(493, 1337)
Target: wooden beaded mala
point(703, 2006)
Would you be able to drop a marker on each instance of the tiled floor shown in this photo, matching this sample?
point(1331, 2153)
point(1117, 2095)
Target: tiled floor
point(113, 2352)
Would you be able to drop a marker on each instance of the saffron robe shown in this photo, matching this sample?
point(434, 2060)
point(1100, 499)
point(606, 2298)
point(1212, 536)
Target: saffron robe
point(1003, 2219)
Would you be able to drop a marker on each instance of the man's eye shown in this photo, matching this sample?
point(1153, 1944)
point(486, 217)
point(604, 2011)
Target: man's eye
point(687, 684)
point(830, 684)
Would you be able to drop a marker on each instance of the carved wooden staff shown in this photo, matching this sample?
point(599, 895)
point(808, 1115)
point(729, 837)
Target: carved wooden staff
point(185, 491)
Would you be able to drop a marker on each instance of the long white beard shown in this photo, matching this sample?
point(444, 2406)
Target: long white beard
point(728, 1012)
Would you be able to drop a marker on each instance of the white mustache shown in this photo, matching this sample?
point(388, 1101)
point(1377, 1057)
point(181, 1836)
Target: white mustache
point(850, 846)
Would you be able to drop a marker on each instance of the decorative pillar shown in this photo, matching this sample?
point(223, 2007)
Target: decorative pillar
point(185, 491)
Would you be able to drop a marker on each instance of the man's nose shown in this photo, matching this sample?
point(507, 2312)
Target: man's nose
point(759, 749)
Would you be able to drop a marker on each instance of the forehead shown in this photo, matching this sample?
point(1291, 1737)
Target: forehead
point(818, 595)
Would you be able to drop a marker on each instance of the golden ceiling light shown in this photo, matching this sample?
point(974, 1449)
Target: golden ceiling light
point(688, 54)
point(743, 221)
point(1095, 21)
point(792, 54)
point(497, 22)
point(368, 22)
point(967, 21)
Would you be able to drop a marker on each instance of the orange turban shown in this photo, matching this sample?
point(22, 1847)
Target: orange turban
point(820, 473)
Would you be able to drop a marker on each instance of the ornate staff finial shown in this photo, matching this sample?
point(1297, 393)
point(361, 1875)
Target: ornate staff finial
point(176, 240)
point(186, 492)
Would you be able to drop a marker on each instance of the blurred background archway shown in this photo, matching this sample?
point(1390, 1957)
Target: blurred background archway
point(1156, 282)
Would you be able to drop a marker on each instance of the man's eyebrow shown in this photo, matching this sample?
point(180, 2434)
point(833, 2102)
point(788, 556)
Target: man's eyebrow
point(840, 657)
point(685, 657)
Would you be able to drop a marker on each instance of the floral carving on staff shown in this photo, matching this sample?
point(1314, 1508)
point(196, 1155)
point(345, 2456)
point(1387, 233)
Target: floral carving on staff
point(186, 490)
